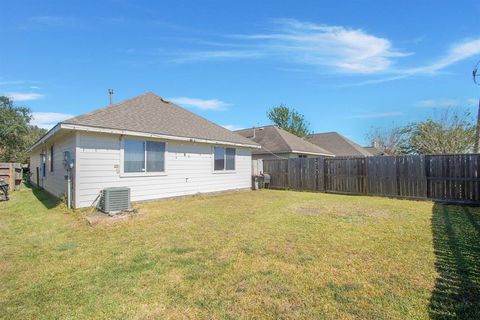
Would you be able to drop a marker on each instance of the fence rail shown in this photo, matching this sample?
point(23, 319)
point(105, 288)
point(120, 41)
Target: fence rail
point(453, 178)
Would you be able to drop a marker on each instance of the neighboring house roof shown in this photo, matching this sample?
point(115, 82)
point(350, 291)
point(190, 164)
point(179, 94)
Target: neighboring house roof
point(338, 144)
point(276, 140)
point(373, 150)
point(151, 114)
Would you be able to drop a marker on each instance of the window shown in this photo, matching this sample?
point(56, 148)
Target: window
point(44, 164)
point(51, 158)
point(224, 159)
point(143, 156)
point(302, 155)
point(134, 156)
point(230, 157)
point(155, 156)
point(219, 153)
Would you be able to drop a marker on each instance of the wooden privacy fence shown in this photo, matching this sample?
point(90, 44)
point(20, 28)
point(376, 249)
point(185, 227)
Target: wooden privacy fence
point(453, 178)
point(11, 173)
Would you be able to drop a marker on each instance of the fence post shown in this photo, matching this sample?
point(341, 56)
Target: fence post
point(367, 178)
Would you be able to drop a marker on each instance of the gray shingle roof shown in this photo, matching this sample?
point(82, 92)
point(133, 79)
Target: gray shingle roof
point(276, 140)
point(337, 144)
point(151, 114)
point(374, 151)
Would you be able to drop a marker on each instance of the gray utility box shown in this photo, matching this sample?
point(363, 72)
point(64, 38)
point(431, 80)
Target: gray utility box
point(115, 199)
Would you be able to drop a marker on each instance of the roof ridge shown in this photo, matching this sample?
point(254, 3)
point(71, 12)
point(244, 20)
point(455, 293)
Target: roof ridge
point(97, 111)
point(319, 133)
point(141, 113)
point(355, 145)
point(199, 116)
point(255, 127)
point(325, 151)
point(279, 130)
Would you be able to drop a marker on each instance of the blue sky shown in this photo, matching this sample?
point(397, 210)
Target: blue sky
point(347, 66)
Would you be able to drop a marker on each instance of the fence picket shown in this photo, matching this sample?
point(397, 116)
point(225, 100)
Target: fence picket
point(453, 178)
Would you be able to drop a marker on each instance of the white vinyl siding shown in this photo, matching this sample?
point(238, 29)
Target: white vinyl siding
point(188, 169)
point(52, 181)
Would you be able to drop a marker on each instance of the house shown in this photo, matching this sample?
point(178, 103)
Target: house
point(338, 145)
point(146, 143)
point(375, 151)
point(277, 143)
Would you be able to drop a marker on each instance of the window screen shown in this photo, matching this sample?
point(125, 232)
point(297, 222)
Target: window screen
point(230, 156)
point(134, 155)
point(155, 156)
point(219, 155)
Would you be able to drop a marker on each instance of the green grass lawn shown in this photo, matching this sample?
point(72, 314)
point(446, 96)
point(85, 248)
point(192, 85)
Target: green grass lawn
point(267, 254)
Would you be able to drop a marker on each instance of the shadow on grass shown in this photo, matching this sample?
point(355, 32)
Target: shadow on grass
point(48, 200)
point(456, 241)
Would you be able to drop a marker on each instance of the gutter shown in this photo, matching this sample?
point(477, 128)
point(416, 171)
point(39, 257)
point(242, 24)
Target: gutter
point(47, 136)
point(313, 153)
point(75, 127)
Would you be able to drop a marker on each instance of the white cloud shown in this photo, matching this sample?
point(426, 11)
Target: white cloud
point(209, 104)
point(378, 115)
point(232, 127)
point(337, 47)
point(461, 51)
point(344, 49)
point(11, 82)
point(472, 102)
point(24, 96)
point(54, 21)
point(216, 55)
point(48, 119)
point(445, 103)
point(456, 53)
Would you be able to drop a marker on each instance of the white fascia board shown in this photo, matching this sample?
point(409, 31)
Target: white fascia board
point(314, 153)
point(151, 135)
point(47, 136)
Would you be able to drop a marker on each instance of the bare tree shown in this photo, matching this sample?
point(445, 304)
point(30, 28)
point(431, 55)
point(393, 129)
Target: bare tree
point(388, 141)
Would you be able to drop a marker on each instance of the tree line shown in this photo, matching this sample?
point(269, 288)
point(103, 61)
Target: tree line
point(16, 132)
point(453, 131)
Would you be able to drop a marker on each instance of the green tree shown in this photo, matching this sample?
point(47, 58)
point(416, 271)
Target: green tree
point(16, 134)
point(290, 120)
point(452, 132)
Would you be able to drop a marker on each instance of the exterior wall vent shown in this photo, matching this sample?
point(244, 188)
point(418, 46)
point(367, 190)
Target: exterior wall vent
point(115, 200)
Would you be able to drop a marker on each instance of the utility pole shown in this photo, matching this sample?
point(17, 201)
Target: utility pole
point(476, 79)
point(477, 133)
point(110, 94)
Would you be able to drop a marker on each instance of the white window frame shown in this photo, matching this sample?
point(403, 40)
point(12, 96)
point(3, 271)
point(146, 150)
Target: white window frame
point(224, 160)
point(145, 173)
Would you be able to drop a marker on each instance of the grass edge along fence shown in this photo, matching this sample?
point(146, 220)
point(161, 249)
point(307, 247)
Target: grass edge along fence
point(450, 177)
